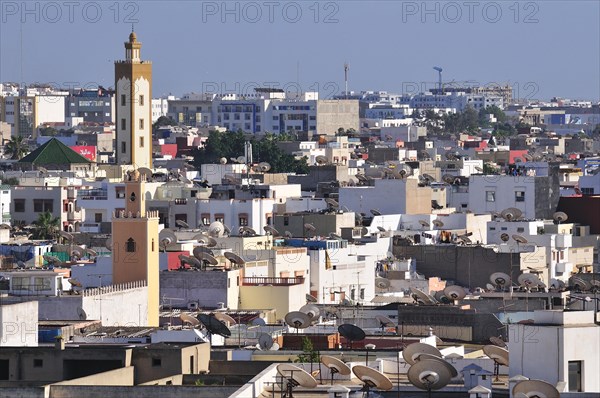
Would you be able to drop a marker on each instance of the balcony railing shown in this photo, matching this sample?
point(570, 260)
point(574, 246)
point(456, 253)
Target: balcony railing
point(271, 281)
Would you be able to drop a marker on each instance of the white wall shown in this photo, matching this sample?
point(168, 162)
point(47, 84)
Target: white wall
point(504, 188)
point(19, 325)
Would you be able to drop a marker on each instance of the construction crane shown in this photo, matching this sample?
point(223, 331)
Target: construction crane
point(439, 70)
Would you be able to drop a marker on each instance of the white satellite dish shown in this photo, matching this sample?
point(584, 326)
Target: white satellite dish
point(270, 230)
point(422, 297)
point(311, 310)
point(335, 366)
point(412, 351)
point(560, 216)
point(295, 377)
point(500, 279)
point(371, 378)
point(311, 298)
point(192, 321)
point(298, 320)
point(528, 281)
point(166, 237)
point(455, 292)
point(216, 229)
point(429, 374)
point(182, 224)
point(321, 160)
point(535, 389)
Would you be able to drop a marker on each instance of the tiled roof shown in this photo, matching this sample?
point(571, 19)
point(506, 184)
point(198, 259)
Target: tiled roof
point(54, 152)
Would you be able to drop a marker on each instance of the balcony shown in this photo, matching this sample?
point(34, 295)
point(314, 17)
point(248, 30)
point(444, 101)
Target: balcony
point(180, 201)
point(74, 215)
point(270, 281)
point(92, 194)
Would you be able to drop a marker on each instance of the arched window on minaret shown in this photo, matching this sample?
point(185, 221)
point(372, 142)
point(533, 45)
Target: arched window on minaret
point(152, 244)
point(130, 245)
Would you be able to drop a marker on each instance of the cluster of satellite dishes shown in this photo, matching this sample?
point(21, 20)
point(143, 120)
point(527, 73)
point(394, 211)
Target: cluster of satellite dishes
point(215, 324)
point(262, 167)
point(528, 282)
point(428, 370)
point(306, 316)
point(450, 295)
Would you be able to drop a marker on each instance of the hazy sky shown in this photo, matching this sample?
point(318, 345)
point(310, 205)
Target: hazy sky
point(544, 48)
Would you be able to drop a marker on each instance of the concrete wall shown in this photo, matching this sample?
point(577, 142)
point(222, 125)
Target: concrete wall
point(333, 114)
point(208, 288)
point(117, 377)
point(282, 298)
point(159, 391)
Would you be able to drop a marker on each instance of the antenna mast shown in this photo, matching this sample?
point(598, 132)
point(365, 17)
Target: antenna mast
point(346, 69)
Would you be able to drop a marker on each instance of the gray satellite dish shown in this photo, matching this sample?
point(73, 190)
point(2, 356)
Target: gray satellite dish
point(511, 214)
point(332, 202)
point(67, 236)
point(210, 241)
point(81, 314)
point(424, 223)
point(535, 389)
point(258, 322)
point(429, 375)
point(311, 310)
point(438, 223)
point(528, 281)
point(381, 229)
point(412, 351)
point(335, 236)
point(91, 252)
point(182, 224)
point(234, 259)
point(382, 283)
point(375, 212)
point(560, 216)
point(309, 227)
point(384, 322)
point(264, 167)
point(311, 299)
point(422, 296)
point(498, 341)
point(519, 239)
point(371, 378)
point(504, 237)
point(556, 284)
point(206, 258)
point(265, 341)
point(288, 234)
point(270, 230)
point(579, 284)
point(455, 292)
point(298, 320)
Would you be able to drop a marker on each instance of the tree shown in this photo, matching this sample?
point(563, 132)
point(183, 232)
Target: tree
point(164, 121)
point(308, 352)
point(46, 226)
point(16, 147)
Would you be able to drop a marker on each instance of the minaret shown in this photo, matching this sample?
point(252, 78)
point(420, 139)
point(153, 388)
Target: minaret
point(135, 244)
point(133, 84)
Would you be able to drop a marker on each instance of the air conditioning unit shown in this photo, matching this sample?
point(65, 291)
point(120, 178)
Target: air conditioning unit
point(193, 306)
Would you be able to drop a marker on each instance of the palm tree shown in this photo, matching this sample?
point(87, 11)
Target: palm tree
point(46, 226)
point(16, 147)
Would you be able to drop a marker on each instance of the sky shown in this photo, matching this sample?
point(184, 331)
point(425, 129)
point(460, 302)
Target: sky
point(543, 48)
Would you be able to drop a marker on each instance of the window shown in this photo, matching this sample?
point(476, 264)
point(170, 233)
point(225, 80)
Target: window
point(587, 191)
point(38, 363)
point(123, 99)
point(19, 205)
point(220, 218)
point(123, 124)
point(490, 196)
point(520, 196)
point(141, 124)
point(286, 220)
point(141, 142)
point(156, 362)
point(98, 217)
point(130, 245)
point(520, 229)
point(205, 217)
point(362, 293)
point(123, 147)
point(141, 100)
point(243, 221)
point(43, 205)
point(575, 376)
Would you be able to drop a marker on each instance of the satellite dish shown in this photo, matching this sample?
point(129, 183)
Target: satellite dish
point(428, 178)
point(438, 223)
point(381, 229)
point(264, 166)
point(91, 253)
point(108, 243)
point(241, 159)
point(234, 259)
point(498, 341)
point(375, 212)
point(210, 241)
point(288, 234)
point(311, 310)
point(298, 320)
point(265, 341)
point(579, 284)
point(382, 283)
point(535, 389)
point(422, 296)
point(498, 354)
point(556, 284)
point(258, 322)
point(335, 236)
point(499, 279)
point(246, 231)
point(429, 374)
point(81, 314)
point(321, 160)
point(504, 237)
point(206, 258)
point(412, 351)
point(182, 224)
point(351, 332)
point(67, 236)
point(74, 282)
point(166, 237)
point(511, 214)
point(519, 239)
point(448, 178)
point(431, 357)
point(223, 160)
point(335, 366)
point(186, 318)
point(479, 169)
point(295, 377)
point(270, 230)
point(309, 227)
point(192, 261)
point(332, 202)
point(455, 292)
point(424, 223)
point(528, 280)
point(213, 325)
point(560, 216)
point(216, 229)
point(226, 319)
point(384, 322)
point(311, 299)
point(371, 378)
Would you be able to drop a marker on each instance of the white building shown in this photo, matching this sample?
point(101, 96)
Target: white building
point(559, 347)
point(160, 107)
